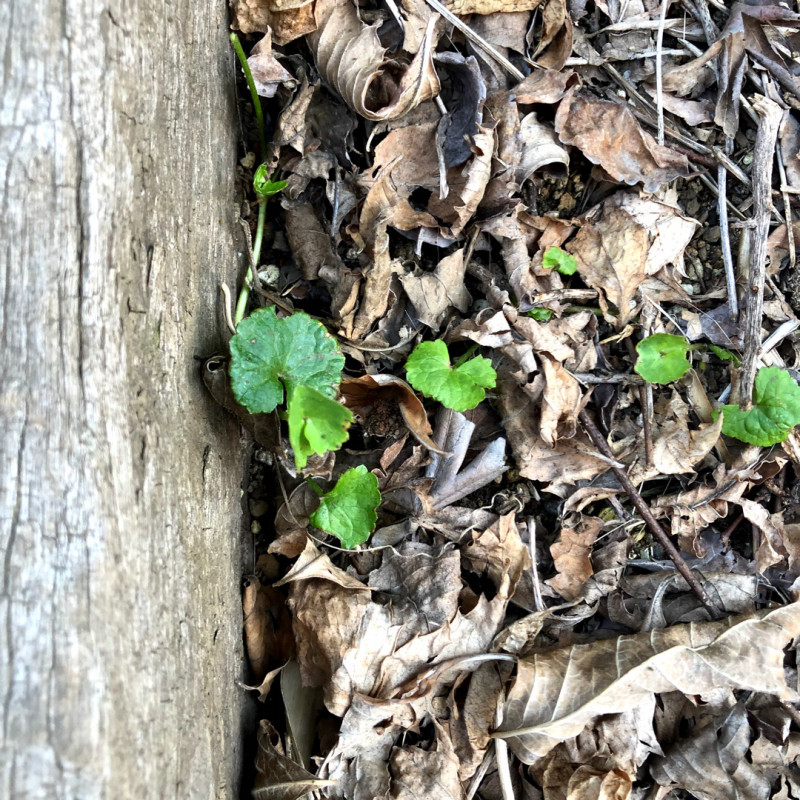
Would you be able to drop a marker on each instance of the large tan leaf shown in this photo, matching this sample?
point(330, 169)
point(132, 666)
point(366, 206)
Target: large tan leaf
point(611, 251)
point(558, 692)
point(350, 57)
point(288, 19)
point(608, 134)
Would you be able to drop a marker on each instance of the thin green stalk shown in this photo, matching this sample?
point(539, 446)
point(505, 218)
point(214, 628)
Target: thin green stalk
point(466, 356)
point(262, 133)
point(244, 294)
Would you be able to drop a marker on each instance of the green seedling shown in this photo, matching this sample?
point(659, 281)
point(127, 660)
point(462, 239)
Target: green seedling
point(540, 314)
point(459, 387)
point(774, 412)
point(725, 355)
point(348, 511)
point(662, 358)
point(263, 185)
point(293, 360)
point(559, 260)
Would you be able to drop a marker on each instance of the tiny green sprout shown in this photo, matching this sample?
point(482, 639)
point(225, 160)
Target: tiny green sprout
point(725, 355)
point(461, 387)
point(774, 412)
point(540, 314)
point(662, 358)
point(293, 359)
point(349, 510)
point(560, 260)
point(263, 184)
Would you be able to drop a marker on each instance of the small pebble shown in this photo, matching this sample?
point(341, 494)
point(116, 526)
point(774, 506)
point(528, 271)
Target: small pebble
point(713, 234)
point(258, 507)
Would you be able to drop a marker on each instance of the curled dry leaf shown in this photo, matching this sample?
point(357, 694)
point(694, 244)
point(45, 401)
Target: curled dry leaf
point(278, 777)
point(544, 86)
point(362, 396)
point(498, 551)
point(608, 134)
point(558, 692)
point(267, 627)
point(352, 60)
point(267, 72)
point(561, 402)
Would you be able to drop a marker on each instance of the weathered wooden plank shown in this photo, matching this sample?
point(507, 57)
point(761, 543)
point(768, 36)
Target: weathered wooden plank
point(120, 637)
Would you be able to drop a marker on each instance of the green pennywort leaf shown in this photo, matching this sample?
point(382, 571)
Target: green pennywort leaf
point(264, 186)
point(348, 511)
point(271, 355)
point(460, 388)
point(317, 424)
point(775, 410)
point(560, 260)
point(662, 358)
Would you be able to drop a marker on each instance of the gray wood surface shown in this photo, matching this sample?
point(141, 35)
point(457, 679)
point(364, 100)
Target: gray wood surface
point(120, 504)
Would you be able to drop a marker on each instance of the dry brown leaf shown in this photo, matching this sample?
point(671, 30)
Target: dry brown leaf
point(464, 7)
point(267, 627)
point(292, 521)
point(608, 134)
point(288, 19)
point(267, 72)
point(278, 777)
point(677, 449)
point(310, 245)
point(572, 554)
point(362, 396)
point(351, 58)
point(711, 761)
point(544, 86)
point(313, 565)
point(558, 692)
point(498, 551)
point(433, 293)
point(611, 251)
point(587, 783)
point(561, 402)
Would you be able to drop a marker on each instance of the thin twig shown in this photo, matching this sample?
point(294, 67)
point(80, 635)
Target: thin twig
point(725, 240)
point(537, 589)
point(787, 209)
point(476, 39)
point(501, 754)
point(770, 115)
point(647, 515)
point(659, 86)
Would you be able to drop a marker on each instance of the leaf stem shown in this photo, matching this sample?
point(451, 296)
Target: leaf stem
point(466, 355)
point(262, 134)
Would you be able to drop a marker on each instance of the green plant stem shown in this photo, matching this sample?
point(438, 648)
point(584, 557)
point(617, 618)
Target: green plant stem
point(244, 294)
point(466, 356)
point(315, 486)
point(262, 133)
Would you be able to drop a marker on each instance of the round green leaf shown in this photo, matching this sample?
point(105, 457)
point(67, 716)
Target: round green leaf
point(429, 371)
point(560, 260)
point(269, 354)
point(348, 511)
point(662, 358)
point(775, 410)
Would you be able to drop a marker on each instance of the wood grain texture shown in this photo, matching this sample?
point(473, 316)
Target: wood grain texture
point(120, 509)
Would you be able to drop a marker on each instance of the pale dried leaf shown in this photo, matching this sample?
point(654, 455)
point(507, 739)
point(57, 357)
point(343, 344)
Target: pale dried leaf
point(558, 692)
point(608, 134)
point(267, 72)
point(351, 58)
point(313, 565)
point(287, 20)
point(571, 554)
point(498, 551)
point(561, 403)
point(611, 252)
point(587, 783)
point(433, 293)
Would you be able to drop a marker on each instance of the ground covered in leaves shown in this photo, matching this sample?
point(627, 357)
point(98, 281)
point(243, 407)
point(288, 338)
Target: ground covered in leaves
point(580, 588)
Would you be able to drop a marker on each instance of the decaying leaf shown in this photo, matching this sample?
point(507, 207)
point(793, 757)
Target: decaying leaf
point(278, 777)
point(572, 554)
point(557, 693)
point(433, 293)
point(267, 627)
point(351, 58)
point(608, 134)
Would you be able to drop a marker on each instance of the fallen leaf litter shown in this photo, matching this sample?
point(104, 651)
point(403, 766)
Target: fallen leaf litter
point(521, 622)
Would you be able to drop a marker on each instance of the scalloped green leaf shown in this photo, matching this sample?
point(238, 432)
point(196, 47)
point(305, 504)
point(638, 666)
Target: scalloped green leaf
point(349, 510)
point(662, 358)
point(317, 423)
point(775, 410)
point(270, 355)
point(460, 388)
point(560, 260)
